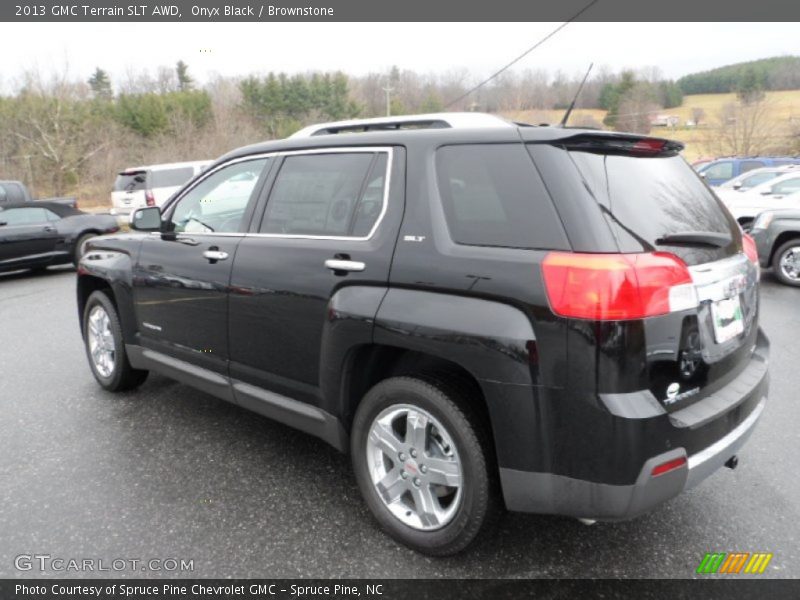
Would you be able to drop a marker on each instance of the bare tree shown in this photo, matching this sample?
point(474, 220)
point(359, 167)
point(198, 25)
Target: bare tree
point(698, 115)
point(55, 124)
point(743, 128)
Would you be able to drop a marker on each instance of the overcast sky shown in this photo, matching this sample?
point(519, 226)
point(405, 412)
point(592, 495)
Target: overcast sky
point(232, 49)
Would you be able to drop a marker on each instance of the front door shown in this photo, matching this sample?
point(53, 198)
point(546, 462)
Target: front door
point(330, 223)
point(182, 275)
point(28, 235)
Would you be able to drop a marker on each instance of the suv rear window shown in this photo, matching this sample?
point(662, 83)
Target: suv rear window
point(492, 195)
point(170, 177)
point(645, 198)
point(130, 181)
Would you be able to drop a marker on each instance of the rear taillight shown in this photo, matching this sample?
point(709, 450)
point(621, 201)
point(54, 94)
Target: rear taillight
point(149, 198)
point(613, 287)
point(749, 247)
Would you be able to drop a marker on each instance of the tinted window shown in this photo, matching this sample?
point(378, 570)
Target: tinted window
point(24, 216)
point(723, 170)
point(647, 198)
point(493, 196)
point(327, 194)
point(218, 203)
point(170, 177)
point(131, 181)
point(749, 165)
point(371, 202)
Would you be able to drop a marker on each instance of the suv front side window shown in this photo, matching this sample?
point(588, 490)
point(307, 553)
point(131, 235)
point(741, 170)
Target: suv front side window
point(218, 203)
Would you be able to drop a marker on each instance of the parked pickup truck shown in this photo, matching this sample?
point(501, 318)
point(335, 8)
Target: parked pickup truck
point(16, 191)
point(777, 236)
point(561, 320)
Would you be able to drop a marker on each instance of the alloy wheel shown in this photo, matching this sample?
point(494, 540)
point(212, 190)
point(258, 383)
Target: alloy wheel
point(414, 467)
point(101, 341)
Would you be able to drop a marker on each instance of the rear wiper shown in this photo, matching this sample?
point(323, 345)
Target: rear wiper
point(696, 238)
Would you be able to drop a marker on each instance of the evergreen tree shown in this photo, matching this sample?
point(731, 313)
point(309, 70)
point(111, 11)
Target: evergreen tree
point(185, 81)
point(101, 84)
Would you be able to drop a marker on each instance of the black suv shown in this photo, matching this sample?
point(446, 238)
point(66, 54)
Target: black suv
point(565, 319)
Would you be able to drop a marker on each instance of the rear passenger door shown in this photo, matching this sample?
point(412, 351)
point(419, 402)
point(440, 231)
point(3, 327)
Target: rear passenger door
point(328, 227)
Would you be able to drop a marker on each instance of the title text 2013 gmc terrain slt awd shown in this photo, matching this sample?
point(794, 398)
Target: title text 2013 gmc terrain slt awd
point(563, 319)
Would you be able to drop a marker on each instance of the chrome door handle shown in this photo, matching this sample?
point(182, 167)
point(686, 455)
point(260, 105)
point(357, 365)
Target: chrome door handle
point(337, 264)
point(49, 228)
point(215, 255)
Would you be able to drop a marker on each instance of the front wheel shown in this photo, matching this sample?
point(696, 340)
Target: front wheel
point(105, 348)
point(786, 263)
point(421, 463)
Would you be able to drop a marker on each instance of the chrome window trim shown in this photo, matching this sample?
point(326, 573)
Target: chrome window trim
point(389, 150)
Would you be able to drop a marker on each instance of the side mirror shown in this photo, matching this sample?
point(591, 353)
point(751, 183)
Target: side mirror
point(146, 219)
point(737, 185)
point(703, 175)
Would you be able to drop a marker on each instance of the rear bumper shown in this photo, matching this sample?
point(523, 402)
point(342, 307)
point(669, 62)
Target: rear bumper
point(558, 494)
point(551, 493)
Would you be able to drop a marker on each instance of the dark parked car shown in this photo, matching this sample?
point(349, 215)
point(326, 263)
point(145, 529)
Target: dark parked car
point(777, 235)
point(16, 191)
point(37, 235)
point(563, 319)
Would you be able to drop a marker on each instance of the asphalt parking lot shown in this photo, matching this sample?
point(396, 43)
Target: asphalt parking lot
point(168, 472)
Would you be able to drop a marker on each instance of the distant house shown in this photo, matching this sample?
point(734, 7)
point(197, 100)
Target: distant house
point(665, 121)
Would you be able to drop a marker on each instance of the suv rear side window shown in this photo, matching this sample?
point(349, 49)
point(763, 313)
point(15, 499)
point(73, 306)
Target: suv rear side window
point(335, 194)
point(170, 177)
point(493, 196)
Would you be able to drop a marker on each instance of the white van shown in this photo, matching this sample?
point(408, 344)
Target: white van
point(151, 185)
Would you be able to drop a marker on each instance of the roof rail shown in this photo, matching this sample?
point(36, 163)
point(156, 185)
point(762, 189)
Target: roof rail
point(455, 120)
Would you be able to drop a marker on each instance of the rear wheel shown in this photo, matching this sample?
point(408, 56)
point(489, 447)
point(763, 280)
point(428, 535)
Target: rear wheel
point(786, 263)
point(421, 464)
point(105, 348)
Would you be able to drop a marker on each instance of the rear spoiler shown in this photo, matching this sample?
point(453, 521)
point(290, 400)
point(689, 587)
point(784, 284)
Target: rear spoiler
point(628, 145)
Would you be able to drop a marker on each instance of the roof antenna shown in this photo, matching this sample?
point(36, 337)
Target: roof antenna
point(575, 99)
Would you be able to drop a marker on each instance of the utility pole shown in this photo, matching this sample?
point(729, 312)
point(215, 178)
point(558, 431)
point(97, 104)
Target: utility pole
point(388, 89)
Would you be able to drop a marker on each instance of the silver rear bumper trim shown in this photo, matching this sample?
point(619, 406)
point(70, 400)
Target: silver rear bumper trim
point(708, 460)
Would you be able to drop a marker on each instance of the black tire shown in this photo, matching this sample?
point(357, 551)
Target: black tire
point(122, 376)
point(472, 442)
point(77, 251)
point(776, 262)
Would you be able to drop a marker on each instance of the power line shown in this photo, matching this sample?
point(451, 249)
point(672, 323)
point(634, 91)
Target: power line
point(524, 54)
